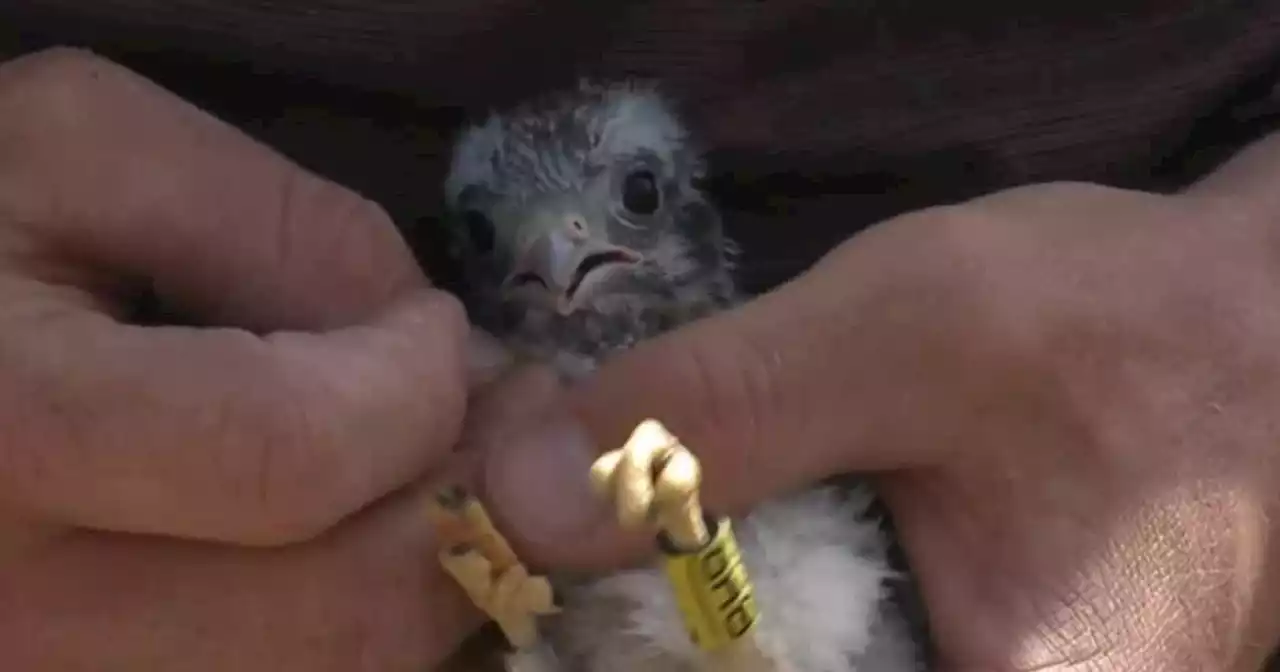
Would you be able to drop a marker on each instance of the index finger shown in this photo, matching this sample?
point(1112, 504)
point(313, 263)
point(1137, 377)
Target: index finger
point(219, 434)
point(120, 174)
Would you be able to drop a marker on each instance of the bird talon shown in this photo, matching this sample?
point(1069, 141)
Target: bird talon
point(481, 561)
point(472, 571)
point(515, 600)
point(650, 479)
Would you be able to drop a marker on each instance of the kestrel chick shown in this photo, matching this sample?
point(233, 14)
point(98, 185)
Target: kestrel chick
point(580, 227)
point(580, 230)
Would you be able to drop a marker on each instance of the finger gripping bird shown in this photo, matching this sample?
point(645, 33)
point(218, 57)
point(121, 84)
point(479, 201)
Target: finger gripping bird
point(580, 229)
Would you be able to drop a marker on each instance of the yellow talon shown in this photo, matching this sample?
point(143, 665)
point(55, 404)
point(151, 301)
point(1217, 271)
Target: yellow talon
point(653, 478)
point(481, 561)
point(603, 470)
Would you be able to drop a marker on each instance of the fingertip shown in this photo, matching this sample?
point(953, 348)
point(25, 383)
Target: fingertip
point(487, 359)
point(282, 435)
point(429, 309)
point(430, 344)
point(435, 325)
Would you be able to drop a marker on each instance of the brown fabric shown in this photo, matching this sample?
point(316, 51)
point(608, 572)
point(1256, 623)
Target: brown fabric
point(825, 116)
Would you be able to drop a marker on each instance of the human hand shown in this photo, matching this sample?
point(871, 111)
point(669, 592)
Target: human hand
point(1066, 392)
point(195, 498)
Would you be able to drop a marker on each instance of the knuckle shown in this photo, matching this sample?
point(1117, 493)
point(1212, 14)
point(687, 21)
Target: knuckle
point(955, 252)
point(364, 210)
point(52, 86)
point(973, 280)
point(349, 241)
point(313, 207)
point(58, 64)
point(299, 204)
point(975, 253)
point(57, 98)
point(437, 342)
point(368, 224)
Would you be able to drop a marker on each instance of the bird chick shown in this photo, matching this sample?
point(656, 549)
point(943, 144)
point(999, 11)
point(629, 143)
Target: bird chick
point(580, 230)
point(579, 227)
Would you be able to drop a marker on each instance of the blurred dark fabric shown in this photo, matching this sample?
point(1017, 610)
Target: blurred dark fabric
point(825, 117)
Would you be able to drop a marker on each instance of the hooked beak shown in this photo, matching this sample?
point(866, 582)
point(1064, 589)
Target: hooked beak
point(562, 267)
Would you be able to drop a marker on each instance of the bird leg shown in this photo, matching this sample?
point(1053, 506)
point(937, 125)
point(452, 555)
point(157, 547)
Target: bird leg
point(654, 479)
point(476, 555)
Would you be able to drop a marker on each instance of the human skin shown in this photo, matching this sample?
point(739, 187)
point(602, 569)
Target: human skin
point(1065, 392)
point(236, 497)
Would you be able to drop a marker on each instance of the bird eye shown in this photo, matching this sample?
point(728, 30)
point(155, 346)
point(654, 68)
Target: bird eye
point(640, 193)
point(480, 229)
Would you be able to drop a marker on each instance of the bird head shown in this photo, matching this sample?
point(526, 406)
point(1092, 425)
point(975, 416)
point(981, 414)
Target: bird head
point(584, 202)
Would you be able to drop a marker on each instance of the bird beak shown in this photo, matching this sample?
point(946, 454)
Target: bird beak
point(563, 265)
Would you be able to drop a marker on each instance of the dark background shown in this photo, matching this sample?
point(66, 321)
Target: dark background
point(825, 117)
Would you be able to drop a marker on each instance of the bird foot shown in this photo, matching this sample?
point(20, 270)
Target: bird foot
point(511, 597)
point(653, 479)
point(482, 562)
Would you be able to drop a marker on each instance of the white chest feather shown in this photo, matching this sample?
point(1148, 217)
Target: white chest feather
point(819, 567)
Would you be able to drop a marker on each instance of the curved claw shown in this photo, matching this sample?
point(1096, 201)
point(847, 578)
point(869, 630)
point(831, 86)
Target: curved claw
point(650, 478)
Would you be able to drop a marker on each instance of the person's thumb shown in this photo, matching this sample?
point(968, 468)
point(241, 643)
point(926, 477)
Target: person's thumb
point(810, 380)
